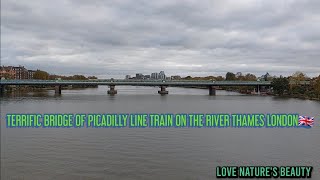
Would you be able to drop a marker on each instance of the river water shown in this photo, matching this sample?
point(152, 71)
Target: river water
point(145, 153)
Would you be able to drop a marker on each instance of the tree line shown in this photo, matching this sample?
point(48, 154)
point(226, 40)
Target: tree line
point(291, 86)
point(43, 75)
point(282, 86)
point(228, 77)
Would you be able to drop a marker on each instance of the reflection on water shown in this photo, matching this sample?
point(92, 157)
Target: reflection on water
point(166, 153)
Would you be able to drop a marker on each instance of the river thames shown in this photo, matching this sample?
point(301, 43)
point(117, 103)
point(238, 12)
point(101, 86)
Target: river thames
point(151, 153)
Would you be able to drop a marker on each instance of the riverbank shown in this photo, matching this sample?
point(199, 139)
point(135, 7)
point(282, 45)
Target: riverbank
point(297, 97)
point(40, 89)
point(284, 96)
point(253, 93)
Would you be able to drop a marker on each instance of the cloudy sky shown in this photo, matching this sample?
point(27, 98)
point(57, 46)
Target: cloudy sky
point(190, 37)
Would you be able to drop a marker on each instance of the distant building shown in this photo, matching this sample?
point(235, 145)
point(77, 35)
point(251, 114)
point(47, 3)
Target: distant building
point(128, 77)
point(139, 76)
point(175, 77)
point(161, 75)
point(30, 74)
point(154, 75)
point(267, 77)
point(147, 76)
point(21, 72)
point(7, 72)
point(16, 72)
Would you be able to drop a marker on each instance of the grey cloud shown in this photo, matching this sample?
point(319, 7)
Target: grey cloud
point(114, 38)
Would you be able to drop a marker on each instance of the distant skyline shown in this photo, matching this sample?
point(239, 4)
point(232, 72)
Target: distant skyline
point(196, 38)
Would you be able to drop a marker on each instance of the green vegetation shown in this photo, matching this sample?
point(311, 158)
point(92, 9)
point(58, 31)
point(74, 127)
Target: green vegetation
point(291, 86)
point(230, 76)
point(7, 76)
point(74, 77)
point(45, 76)
point(280, 85)
point(317, 87)
point(41, 75)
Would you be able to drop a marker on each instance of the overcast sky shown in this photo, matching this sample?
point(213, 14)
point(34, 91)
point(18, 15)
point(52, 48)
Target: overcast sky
point(190, 37)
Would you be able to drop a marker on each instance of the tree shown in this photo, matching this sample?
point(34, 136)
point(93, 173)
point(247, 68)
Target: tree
point(230, 76)
point(79, 77)
point(317, 86)
point(40, 75)
point(267, 77)
point(295, 80)
point(208, 78)
point(298, 76)
point(238, 74)
point(8, 76)
point(54, 77)
point(280, 85)
point(188, 77)
point(250, 77)
point(219, 78)
point(240, 78)
point(92, 77)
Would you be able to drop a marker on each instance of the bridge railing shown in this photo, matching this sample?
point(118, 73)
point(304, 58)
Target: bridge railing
point(37, 80)
point(147, 81)
point(151, 81)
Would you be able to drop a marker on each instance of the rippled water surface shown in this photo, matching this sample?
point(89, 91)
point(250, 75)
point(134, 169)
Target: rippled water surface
point(166, 153)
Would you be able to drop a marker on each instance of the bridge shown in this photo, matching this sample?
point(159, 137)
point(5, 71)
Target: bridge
point(211, 85)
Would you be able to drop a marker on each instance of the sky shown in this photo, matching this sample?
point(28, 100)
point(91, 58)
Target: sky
point(112, 38)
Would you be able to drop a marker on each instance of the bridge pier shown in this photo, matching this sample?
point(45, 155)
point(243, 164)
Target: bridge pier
point(258, 89)
point(57, 89)
point(212, 91)
point(112, 90)
point(1, 90)
point(163, 90)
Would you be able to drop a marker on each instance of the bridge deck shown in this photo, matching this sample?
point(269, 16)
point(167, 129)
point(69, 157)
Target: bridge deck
point(135, 82)
point(141, 82)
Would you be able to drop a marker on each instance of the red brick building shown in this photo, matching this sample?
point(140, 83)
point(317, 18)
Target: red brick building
point(7, 72)
point(16, 72)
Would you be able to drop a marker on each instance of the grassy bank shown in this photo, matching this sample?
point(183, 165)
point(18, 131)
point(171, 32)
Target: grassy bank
point(39, 89)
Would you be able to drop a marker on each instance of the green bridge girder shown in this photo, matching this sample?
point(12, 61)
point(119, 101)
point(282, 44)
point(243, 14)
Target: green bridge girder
point(141, 82)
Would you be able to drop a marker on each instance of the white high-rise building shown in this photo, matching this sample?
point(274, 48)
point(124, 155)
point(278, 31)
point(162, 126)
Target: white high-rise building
point(162, 75)
point(154, 75)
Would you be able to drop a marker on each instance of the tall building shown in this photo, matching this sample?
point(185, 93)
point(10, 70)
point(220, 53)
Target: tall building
point(161, 75)
point(139, 76)
point(147, 76)
point(154, 75)
point(30, 74)
point(20, 72)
